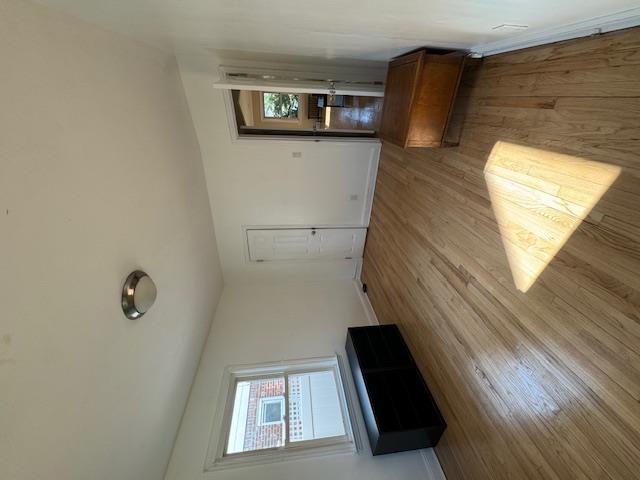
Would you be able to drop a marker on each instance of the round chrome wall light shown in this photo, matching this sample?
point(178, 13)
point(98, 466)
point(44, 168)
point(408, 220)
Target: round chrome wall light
point(138, 294)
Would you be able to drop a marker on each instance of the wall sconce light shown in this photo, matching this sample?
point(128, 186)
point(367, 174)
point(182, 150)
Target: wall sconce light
point(138, 294)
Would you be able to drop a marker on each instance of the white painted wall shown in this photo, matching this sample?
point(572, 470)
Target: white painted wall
point(259, 182)
point(375, 29)
point(100, 173)
point(261, 323)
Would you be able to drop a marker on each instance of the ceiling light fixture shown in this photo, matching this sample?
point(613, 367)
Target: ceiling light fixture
point(138, 294)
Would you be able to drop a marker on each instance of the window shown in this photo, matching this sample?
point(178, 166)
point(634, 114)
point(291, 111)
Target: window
point(280, 106)
point(271, 410)
point(276, 411)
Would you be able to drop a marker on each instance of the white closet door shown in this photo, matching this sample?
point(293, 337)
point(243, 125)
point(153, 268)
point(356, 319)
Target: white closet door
point(305, 243)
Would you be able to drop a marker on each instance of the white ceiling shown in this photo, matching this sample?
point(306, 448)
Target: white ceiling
point(364, 29)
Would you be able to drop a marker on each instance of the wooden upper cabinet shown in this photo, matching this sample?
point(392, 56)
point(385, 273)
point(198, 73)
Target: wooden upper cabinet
point(418, 97)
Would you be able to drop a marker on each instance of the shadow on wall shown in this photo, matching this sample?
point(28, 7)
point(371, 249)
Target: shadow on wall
point(539, 199)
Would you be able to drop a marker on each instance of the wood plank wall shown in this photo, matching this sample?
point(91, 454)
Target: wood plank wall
point(543, 383)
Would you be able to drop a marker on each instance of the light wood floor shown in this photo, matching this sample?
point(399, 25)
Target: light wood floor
point(514, 273)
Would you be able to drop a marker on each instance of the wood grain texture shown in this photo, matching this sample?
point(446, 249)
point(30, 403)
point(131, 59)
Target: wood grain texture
point(418, 97)
point(400, 89)
point(542, 384)
point(434, 99)
point(363, 113)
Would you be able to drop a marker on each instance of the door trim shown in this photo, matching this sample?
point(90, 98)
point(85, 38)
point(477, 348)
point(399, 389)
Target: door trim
point(237, 138)
point(245, 237)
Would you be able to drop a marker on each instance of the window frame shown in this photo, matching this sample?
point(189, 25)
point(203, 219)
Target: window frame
point(264, 118)
point(217, 458)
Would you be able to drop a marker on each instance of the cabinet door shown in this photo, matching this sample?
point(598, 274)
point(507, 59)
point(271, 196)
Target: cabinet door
point(402, 78)
point(305, 243)
point(434, 98)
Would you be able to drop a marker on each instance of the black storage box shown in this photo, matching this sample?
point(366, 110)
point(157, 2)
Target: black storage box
point(399, 411)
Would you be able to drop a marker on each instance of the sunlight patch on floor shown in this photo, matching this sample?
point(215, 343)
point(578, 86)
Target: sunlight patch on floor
point(539, 199)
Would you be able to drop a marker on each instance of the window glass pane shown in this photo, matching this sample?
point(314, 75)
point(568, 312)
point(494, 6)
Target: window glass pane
point(314, 407)
point(258, 415)
point(280, 105)
point(271, 410)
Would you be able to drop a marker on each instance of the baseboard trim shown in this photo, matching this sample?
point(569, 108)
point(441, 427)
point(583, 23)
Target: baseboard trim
point(432, 464)
point(606, 23)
